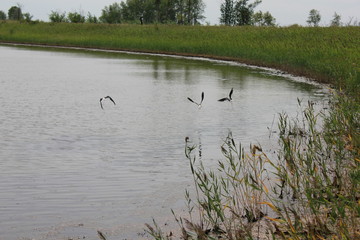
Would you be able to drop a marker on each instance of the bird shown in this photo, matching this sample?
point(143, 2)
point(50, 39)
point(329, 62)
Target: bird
point(199, 104)
point(227, 98)
point(103, 98)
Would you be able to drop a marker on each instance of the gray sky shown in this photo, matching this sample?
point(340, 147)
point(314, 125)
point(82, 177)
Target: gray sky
point(286, 12)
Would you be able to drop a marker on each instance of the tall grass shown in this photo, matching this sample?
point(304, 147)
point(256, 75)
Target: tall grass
point(329, 54)
point(311, 191)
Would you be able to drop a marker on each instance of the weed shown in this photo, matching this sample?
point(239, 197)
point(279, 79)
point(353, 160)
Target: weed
point(311, 191)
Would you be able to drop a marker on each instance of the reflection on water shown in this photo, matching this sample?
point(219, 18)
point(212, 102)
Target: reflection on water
point(68, 167)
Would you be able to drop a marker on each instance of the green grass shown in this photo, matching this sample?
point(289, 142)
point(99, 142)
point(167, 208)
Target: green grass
point(330, 55)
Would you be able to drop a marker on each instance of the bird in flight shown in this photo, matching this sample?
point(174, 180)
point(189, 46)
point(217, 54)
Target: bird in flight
point(227, 98)
point(199, 104)
point(103, 98)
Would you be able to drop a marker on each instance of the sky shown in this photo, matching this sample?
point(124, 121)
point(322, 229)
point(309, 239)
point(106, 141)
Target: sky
point(286, 12)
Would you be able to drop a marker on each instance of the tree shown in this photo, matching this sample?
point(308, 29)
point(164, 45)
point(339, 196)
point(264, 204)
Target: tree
point(167, 11)
point(132, 10)
point(180, 12)
point(263, 19)
point(268, 19)
point(335, 22)
point(91, 18)
point(244, 11)
point(57, 16)
point(194, 11)
point(258, 18)
point(15, 13)
point(2, 15)
point(162, 11)
point(111, 14)
point(314, 18)
point(27, 17)
point(227, 13)
point(76, 17)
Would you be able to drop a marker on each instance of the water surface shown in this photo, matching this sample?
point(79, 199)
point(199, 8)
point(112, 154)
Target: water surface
point(69, 168)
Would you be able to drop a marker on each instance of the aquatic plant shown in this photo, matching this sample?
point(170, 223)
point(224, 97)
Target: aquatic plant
point(311, 191)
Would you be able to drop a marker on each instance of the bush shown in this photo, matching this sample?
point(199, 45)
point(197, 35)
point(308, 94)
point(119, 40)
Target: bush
point(76, 17)
point(57, 17)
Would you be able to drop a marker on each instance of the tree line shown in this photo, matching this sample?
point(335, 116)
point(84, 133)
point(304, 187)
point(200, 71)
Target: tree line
point(187, 12)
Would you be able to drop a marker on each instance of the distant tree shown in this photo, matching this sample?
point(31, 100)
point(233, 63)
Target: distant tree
point(111, 14)
point(57, 16)
point(75, 17)
point(335, 22)
point(227, 13)
point(314, 18)
point(162, 11)
point(244, 11)
point(91, 18)
point(263, 19)
point(180, 11)
point(352, 22)
point(167, 11)
point(258, 18)
point(2, 15)
point(15, 13)
point(187, 12)
point(132, 10)
point(195, 10)
point(268, 19)
point(27, 17)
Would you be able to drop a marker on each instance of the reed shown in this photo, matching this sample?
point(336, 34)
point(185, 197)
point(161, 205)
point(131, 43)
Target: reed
point(311, 191)
point(329, 54)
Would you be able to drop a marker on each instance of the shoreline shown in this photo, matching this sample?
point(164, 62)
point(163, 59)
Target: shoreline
point(240, 62)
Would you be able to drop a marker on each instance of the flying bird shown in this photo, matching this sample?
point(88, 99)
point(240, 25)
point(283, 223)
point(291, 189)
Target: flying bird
point(103, 98)
point(227, 98)
point(199, 104)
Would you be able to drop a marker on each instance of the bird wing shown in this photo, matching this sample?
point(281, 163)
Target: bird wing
point(202, 98)
point(230, 94)
point(101, 103)
point(191, 100)
point(110, 99)
point(223, 99)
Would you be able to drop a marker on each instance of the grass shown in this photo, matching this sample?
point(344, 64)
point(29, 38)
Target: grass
point(330, 55)
point(311, 191)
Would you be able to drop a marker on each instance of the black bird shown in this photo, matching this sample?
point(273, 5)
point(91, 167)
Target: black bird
point(227, 98)
point(103, 98)
point(199, 104)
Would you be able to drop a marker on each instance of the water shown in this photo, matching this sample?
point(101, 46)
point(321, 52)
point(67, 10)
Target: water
point(69, 168)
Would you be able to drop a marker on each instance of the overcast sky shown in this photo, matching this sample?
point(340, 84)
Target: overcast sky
point(286, 12)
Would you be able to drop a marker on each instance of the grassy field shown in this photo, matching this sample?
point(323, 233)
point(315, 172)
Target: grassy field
point(330, 55)
point(312, 190)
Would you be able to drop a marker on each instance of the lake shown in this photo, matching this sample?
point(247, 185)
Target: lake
point(69, 167)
